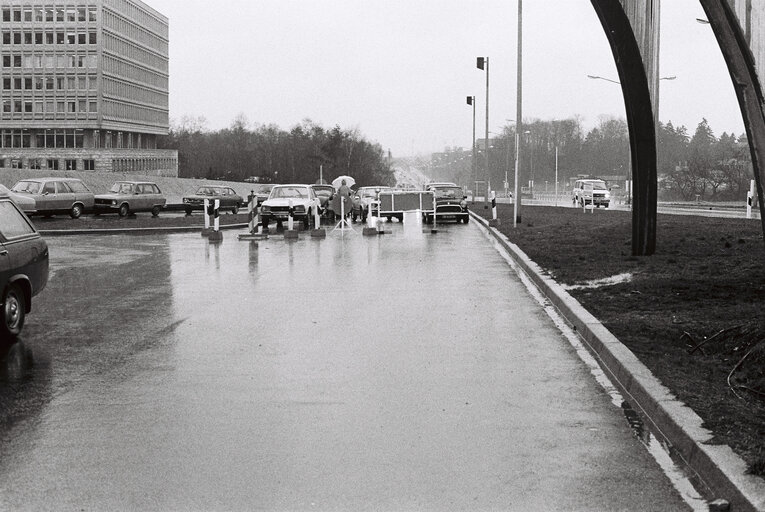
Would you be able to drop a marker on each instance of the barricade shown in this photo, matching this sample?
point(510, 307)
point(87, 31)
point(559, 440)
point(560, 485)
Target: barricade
point(317, 231)
point(291, 233)
point(372, 222)
point(208, 212)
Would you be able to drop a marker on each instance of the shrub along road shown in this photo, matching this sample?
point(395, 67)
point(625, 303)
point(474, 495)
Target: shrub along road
point(693, 312)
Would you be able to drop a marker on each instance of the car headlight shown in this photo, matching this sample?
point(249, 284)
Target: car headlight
point(608, 194)
point(265, 209)
point(114, 203)
point(300, 208)
point(463, 204)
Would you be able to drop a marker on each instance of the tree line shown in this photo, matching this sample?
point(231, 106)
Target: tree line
point(273, 155)
point(700, 165)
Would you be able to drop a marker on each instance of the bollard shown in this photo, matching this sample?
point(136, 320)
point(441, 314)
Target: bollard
point(750, 199)
point(494, 222)
point(370, 229)
point(207, 214)
point(255, 229)
point(216, 236)
point(291, 234)
point(317, 231)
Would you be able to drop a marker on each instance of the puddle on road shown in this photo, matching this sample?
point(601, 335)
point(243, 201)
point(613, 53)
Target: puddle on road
point(659, 451)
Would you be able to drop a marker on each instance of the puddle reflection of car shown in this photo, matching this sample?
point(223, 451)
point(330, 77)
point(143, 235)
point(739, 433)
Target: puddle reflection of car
point(451, 204)
point(277, 206)
point(127, 197)
point(229, 199)
point(57, 195)
point(23, 268)
point(361, 200)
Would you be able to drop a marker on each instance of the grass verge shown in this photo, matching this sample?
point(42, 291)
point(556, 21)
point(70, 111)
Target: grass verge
point(694, 313)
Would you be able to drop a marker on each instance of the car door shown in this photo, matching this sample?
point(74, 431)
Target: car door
point(46, 199)
point(64, 196)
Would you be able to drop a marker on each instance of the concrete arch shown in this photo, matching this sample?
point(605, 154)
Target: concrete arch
point(632, 29)
point(634, 81)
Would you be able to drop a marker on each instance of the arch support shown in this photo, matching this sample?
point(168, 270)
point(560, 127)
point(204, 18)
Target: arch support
point(735, 36)
point(634, 73)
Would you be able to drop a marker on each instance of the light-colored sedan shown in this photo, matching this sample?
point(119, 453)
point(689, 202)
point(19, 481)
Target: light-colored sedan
point(277, 207)
point(26, 203)
point(126, 197)
point(57, 195)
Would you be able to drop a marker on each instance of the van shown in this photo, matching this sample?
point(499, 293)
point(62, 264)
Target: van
point(591, 191)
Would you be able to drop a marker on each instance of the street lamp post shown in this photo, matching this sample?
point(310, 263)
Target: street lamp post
point(518, 118)
point(483, 63)
point(471, 101)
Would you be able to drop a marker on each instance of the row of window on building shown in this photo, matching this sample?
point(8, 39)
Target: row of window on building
point(51, 83)
point(69, 106)
point(50, 60)
point(52, 164)
point(61, 14)
point(127, 49)
point(74, 138)
point(66, 37)
point(118, 110)
point(120, 67)
point(136, 31)
point(89, 164)
point(141, 16)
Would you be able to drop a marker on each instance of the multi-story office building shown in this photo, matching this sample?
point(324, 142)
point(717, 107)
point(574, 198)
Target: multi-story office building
point(84, 86)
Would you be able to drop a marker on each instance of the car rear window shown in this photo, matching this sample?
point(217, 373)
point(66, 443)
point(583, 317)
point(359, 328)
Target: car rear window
point(12, 222)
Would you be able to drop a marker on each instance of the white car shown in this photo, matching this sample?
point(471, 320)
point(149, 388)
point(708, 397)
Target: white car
point(302, 198)
point(594, 192)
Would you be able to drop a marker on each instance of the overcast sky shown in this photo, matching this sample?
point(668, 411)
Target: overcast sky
point(399, 70)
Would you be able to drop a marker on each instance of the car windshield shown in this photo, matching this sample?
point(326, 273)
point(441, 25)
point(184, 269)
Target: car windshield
point(599, 185)
point(122, 188)
point(287, 192)
point(27, 187)
point(204, 191)
point(323, 191)
point(372, 192)
point(448, 192)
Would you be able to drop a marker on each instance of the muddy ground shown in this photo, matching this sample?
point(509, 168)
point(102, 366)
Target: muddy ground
point(694, 312)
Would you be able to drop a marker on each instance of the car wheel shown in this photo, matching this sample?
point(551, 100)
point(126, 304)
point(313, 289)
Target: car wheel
point(155, 211)
point(124, 210)
point(354, 216)
point(188, 211)
point(307, 220)
point(264, 222)
point(466, 219)
point(76, 211)
point(13, 311)
point(235, 209)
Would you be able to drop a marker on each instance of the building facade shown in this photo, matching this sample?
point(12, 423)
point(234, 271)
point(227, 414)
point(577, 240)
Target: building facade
point(84, 86)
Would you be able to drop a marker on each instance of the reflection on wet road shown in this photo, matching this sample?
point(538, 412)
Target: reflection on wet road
point(405, 371)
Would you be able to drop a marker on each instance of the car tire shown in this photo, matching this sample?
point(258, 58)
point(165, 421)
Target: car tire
point(155, 211)
point(188, 211)
point(124, 210)
point(13, 312)
point(235, 209)
point(307, 220)
point(466, 219)
point(264, 220)
point(76, 211)
point(354, 216)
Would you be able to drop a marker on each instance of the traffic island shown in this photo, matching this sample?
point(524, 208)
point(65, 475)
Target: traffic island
point(319, 233)
point(291, 234)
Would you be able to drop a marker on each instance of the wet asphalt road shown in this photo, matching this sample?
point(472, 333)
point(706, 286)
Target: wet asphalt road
point(408, 371)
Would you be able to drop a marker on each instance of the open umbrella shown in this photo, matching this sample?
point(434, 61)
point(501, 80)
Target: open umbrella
point(337, 182)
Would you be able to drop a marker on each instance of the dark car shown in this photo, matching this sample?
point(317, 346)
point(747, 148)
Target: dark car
point(361, 200)
point(126, 197)
point(229, 199)
point(325, 194)
point(23, 268)
point(451, 204)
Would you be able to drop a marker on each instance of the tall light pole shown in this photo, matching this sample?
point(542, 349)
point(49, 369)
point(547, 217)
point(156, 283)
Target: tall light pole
point(471, 101)
point(518, 117)
point(483, 63)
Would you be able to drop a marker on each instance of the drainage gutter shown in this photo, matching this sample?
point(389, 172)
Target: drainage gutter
point(719, 471)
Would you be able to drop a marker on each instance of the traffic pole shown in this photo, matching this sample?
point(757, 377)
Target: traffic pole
point(291, 233)
point(207, 213)
point(255, 229)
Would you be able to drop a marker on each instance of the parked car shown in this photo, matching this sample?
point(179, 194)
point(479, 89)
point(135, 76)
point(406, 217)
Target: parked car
point(361, 199)
point(57, 195)
point(276, 207)
point(126, 197)
point(23, 268)
point(229, 199)
point(26, 203)
point(451, 204)
point(325, 194)
point(591, 191)
point(434, 184)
